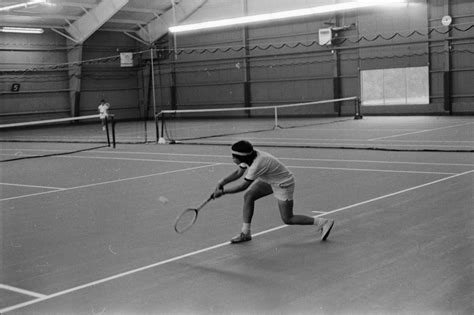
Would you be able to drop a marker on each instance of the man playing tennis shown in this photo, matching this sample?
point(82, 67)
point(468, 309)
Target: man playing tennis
point(265, 174)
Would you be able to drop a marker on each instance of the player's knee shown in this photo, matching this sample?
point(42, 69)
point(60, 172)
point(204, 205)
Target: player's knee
point(249, 197)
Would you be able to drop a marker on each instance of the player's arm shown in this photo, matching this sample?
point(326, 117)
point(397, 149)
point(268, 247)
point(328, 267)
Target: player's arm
point(232, 177)
point(236, 189)
point(238, 173)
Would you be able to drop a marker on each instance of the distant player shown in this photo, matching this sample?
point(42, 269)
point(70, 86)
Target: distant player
point(103, 112)
point(264, 175)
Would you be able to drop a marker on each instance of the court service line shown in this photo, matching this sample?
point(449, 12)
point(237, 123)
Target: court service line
point(209, 165)
point(290, 166)
point(368, 170)
point(290, 158)
point(176, 258)
point(128, 159)
point(359, 140)
point(32, 186)
point(111, 181)
point(331, 144)
point(279, 157)
point(421, 131)
point(22, 291)
point(119, 158)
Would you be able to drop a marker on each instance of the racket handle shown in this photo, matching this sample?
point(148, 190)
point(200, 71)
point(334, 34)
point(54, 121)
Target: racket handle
point(205, 202)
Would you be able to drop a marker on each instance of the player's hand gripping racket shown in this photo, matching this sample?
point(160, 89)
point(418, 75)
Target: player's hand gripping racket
point(188, 217)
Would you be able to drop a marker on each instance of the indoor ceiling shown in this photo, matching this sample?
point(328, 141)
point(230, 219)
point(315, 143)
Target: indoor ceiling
point(144, 20)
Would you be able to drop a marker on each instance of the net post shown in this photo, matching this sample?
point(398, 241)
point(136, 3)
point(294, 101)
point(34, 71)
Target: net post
point(113, 131)
point(160, 131)
point(107, 130)
point(358, 114)
point(276, 117)
point(157, 128)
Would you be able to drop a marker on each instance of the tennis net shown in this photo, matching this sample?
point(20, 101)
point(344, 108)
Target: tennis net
point(83, 129)
point(193, 124)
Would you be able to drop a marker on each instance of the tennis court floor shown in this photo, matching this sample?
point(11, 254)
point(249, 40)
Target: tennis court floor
point(86, 232)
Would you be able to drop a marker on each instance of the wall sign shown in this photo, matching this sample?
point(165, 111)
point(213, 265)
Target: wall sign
point(15, 87)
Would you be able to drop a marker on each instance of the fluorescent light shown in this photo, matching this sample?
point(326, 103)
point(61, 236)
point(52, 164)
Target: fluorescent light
point(25, 30)
point(283, 15)
point(22, 5)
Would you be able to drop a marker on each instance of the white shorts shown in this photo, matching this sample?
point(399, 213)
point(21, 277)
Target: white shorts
point(284, 191)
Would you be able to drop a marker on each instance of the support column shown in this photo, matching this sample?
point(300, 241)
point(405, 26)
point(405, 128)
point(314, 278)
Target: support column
point(246, 63)
point(74, 55)
point(337, 73)
point(447, 75)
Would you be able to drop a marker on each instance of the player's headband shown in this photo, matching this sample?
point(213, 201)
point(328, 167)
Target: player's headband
point(242, 153)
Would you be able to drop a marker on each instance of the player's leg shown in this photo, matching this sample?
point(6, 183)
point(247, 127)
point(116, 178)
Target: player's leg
point(258, 190)
point(284, 196)
point(323, 226)
point(286, 213)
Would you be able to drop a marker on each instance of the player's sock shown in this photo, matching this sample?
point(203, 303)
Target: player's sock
point(246, 228)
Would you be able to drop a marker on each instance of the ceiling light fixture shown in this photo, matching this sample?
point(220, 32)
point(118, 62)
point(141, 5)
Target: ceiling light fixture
point(23, 5)
point(24, 30)
point(285, 14)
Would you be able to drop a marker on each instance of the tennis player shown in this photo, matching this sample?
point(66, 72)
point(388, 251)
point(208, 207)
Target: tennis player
point(264, 175)
point(103, 112)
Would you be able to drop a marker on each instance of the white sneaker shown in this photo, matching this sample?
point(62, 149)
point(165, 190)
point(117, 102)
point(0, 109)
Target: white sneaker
point(242, 237)
point(326, 229)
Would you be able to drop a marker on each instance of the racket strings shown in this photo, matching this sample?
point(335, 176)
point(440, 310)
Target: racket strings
point(185, 220)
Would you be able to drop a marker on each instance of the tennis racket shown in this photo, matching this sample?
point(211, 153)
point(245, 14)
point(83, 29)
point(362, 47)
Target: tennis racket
point(188, 217)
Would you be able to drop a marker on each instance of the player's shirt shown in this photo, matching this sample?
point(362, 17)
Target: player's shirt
point(269, 169)
point(103, 110)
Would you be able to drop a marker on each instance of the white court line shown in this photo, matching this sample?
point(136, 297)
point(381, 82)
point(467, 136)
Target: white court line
point(399, 192)
point(356, 129)
point(33, 186)
point(117, 158)
point(163, 262)
point(22, 291)
point(360, 140)
point(367, 170)
point(110, 182)
point(331, 144)
point(289, 166)
point(299, 159)
point(128, 159)
point(434, 141)
point(421, 131)
point(209, 165)
point(279, 157)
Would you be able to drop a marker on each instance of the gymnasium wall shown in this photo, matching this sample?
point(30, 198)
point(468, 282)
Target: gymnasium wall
point(262, 64)
point(283, 62)
point(57, 79)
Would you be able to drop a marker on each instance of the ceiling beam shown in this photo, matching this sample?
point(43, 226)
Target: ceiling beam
point(125, 9)
point(94, 18)
point(62, 34)
point(68, 17)
point(158, 27)
point(51, 26)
